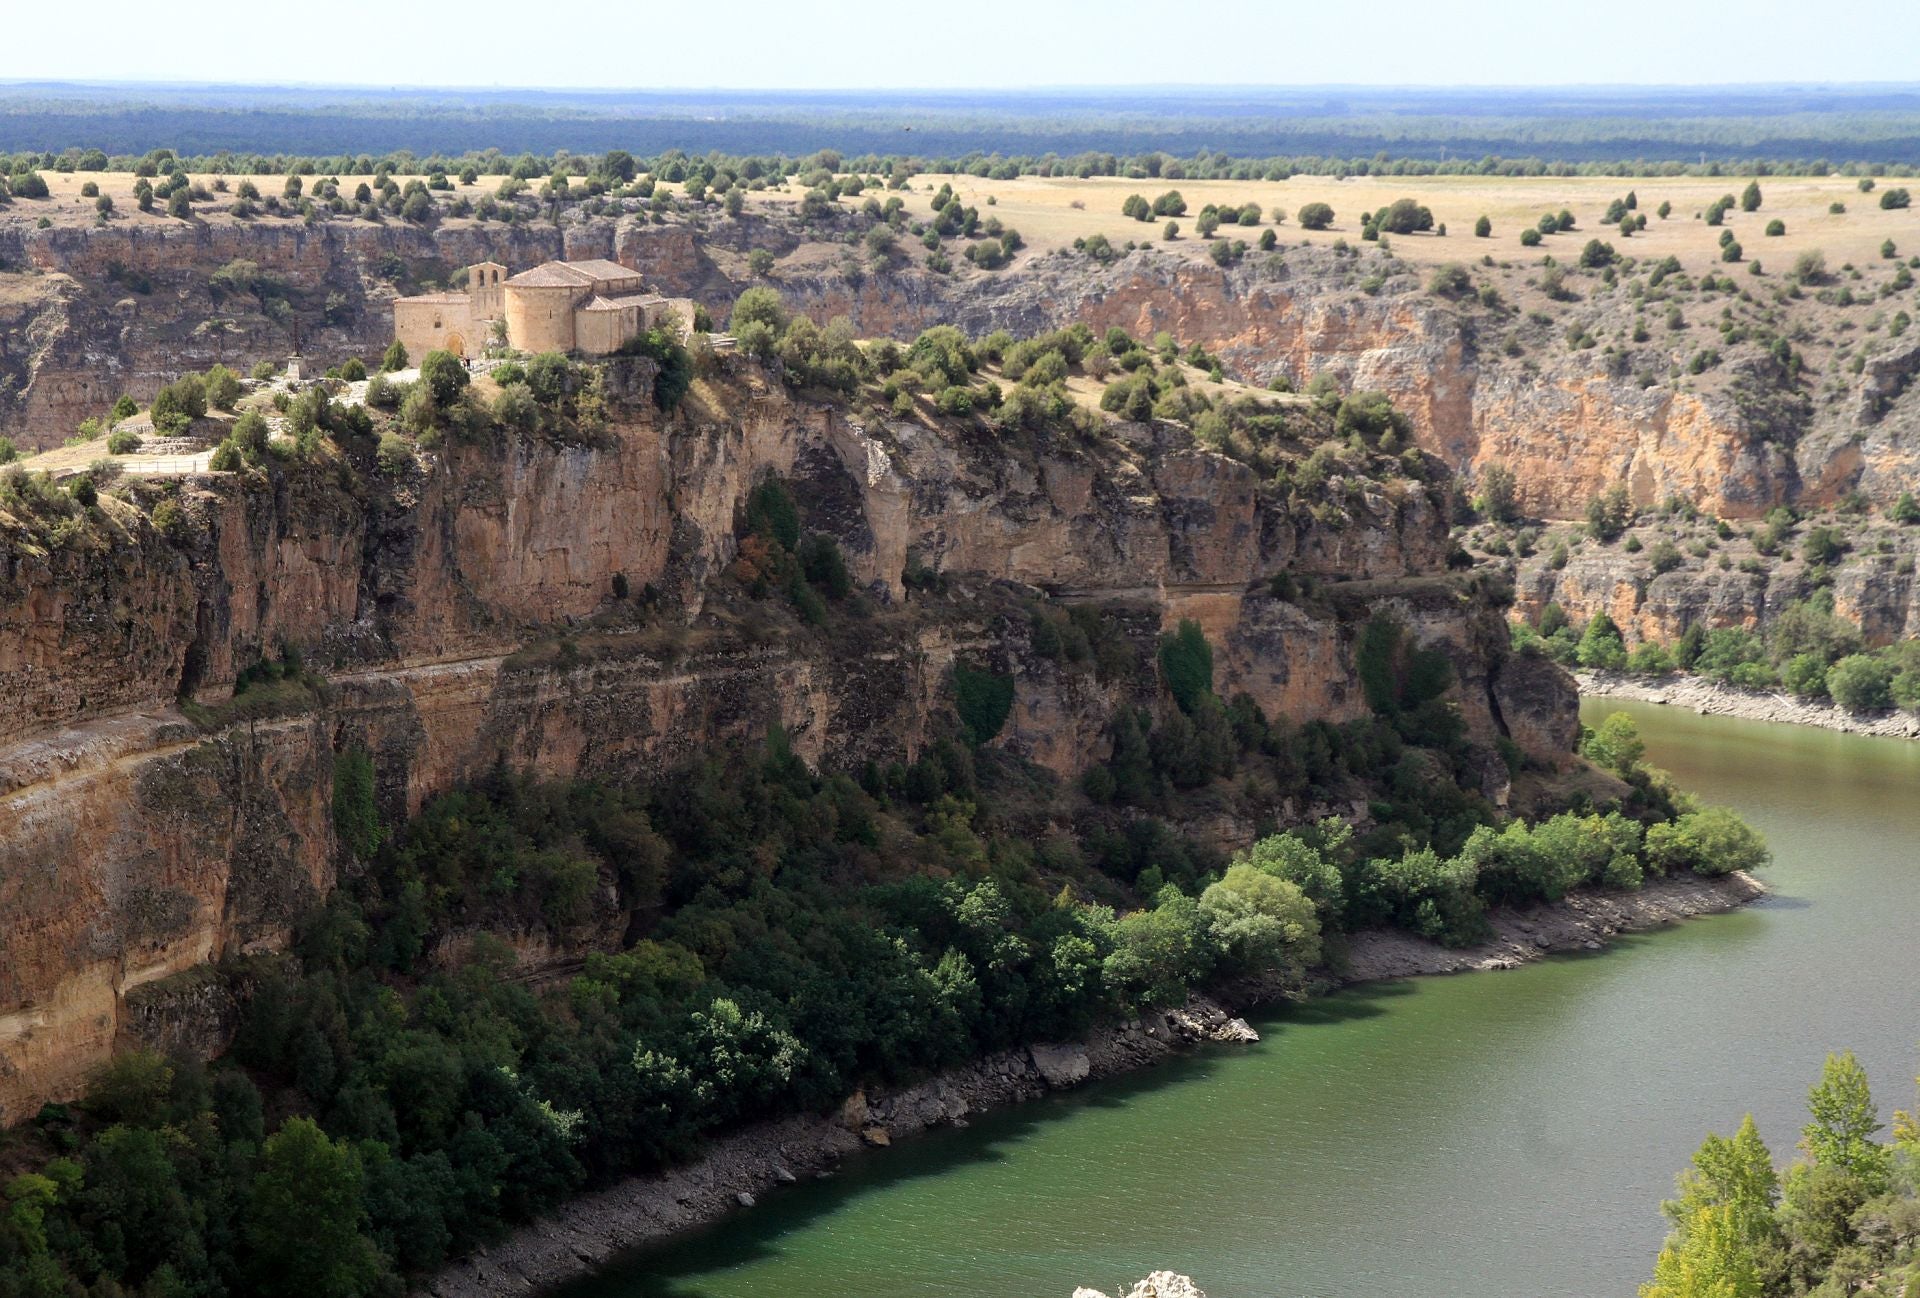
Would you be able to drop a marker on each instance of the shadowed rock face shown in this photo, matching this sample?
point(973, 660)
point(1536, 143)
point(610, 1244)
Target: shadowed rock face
point(1568, 422)
point(463, 614)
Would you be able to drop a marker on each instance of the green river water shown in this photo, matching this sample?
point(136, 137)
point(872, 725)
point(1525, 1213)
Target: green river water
point(1500, 1135)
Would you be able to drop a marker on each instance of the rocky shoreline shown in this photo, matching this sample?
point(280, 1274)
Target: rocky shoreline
point(1711, 698)
point(592, 1231)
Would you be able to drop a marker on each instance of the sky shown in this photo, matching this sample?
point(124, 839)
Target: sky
point(859, 44)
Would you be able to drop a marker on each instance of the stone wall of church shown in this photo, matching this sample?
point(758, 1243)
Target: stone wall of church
point(541, 319)
point(423, 327)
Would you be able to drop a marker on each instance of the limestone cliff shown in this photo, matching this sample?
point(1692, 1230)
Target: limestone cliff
point(1517, 380)
point(1714, 582)
point(565, 606)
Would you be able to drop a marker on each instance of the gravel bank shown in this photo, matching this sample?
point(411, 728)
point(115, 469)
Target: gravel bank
point(1711, 698)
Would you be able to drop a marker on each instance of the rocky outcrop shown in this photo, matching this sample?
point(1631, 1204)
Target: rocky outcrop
point(464, 613)
point(1568, 427)
point(93, 311)
point(1726, 582)
point(1161, 1284)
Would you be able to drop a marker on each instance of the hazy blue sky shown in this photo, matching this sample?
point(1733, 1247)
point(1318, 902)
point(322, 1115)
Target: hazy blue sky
point(911, 43)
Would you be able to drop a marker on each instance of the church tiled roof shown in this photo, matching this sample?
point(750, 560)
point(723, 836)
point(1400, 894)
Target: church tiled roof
point(623, 302)
point(552, 274)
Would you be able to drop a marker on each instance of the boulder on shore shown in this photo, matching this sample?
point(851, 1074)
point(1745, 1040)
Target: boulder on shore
point(1161, 1284)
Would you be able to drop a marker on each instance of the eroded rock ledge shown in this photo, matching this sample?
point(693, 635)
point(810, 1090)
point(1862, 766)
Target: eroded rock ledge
point(592, 1231)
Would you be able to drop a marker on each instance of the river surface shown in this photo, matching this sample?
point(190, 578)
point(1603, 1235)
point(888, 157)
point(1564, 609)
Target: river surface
point(1497, 1135)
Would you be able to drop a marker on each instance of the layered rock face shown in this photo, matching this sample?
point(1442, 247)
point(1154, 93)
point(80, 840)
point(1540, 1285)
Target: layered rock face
point(464, 613)
point(1730, 585)
point(1568, 424)
point(88, 313)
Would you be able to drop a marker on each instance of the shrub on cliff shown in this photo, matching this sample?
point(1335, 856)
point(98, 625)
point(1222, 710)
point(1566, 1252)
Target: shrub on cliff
point(1450, 280)
point(1186, 664)
point(394, 455)
point(675, 376)
point(1372, 418)
point(223, 388)
point(445, 376)
point(1609, 513)
point(1496, 498)
point(356, 815)
point(1315, 216)
point(983, 699)
point(395, 357)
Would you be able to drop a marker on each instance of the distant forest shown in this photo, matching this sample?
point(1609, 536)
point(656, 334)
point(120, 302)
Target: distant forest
point(1800, 128)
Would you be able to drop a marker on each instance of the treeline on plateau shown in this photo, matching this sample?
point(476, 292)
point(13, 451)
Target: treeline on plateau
point(1843, 1219)
point(1643, 128)
point(677, 164)
point(767, 937)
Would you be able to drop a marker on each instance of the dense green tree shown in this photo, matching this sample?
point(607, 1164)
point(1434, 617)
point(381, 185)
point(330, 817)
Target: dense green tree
point(1844, 1122)
point(1712, 840)
point(1616, 744)
point(1186, 664)
point(303, 1216)
point(1260, 921)
point(1861, 683)
point(1709, 1259)
point(1601, 644)
point(444, 376)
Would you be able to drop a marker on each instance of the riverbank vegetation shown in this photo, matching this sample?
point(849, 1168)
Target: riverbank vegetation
point(1842, 1219)
point(1807, 650)
point(750, 938)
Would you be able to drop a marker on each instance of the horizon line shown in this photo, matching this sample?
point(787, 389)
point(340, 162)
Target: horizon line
point(21, 83)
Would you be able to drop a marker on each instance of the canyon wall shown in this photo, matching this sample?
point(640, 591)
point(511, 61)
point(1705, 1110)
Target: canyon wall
point(566, 607)
point(89, 312)
point(1873, 584)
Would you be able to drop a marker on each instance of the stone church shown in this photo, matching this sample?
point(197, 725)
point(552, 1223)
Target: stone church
point(589, 307)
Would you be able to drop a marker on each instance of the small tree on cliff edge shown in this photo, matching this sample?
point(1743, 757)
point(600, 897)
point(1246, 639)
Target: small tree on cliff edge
point(395, 357)
point(1186, 664)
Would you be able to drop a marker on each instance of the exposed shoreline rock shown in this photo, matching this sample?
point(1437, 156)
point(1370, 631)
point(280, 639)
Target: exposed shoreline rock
point(1711, 698)
point(594, 1230)
point(1161, 1284)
